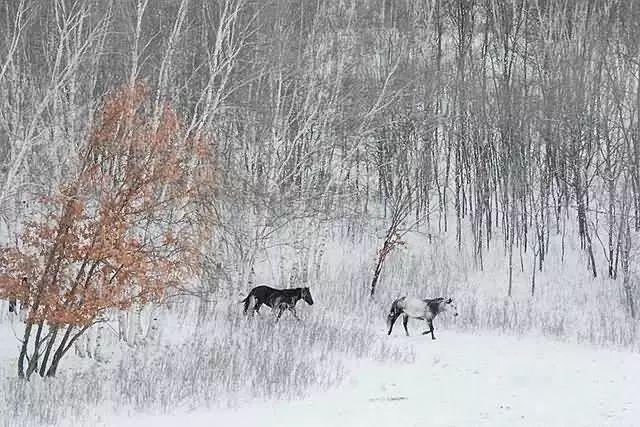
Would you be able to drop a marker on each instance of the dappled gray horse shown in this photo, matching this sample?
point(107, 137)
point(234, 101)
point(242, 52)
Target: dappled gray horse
point(418, 308)
point(280, 300)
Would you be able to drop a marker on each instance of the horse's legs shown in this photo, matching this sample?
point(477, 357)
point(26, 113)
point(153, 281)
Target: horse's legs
point(256, 308)
point(430, 331)
point(280, 311)
point(405, 322)
point(293, 311)
point(392, 321)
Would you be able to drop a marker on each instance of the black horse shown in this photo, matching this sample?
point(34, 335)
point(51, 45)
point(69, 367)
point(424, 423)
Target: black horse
point(279, 300)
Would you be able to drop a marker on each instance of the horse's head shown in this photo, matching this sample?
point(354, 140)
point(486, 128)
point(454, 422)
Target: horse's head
point(305, 294)
point(448, 305)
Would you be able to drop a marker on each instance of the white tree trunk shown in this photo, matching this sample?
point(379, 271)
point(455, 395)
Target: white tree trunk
point(153, 334)
point(98, 351)
point(123, 326)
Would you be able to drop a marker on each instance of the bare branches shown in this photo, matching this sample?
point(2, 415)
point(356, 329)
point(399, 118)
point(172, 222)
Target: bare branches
point(20, 21)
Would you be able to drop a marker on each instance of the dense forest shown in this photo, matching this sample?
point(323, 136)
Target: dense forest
point(509, 125)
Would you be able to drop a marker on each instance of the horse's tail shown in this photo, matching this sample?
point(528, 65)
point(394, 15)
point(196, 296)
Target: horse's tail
point(247, 302)
point(395, 309)
point(394, 312)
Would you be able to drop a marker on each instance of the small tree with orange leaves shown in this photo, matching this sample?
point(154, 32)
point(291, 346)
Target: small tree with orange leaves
point(124, 229)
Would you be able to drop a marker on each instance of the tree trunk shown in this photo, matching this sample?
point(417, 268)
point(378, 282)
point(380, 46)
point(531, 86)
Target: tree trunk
point(376, 274)
point(64, 347)
point(57, 356)
point(24, 349)
point(123, 326)
point(626, 281)
point(533, 273)
point(33, 361)
point(47, 353)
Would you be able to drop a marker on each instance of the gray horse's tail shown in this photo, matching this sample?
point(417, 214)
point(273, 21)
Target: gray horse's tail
point(395, 309)
point(394, 312)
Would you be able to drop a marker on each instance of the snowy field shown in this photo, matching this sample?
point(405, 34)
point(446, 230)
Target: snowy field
point(557, 359)
point(464, 378)
point(461, 379)
point(554, 360)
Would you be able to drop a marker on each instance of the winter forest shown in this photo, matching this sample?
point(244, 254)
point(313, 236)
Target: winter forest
point(160, 158)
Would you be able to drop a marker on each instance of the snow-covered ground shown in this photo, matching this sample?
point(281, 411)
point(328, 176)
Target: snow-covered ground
point(461, 379)
point(472, 375)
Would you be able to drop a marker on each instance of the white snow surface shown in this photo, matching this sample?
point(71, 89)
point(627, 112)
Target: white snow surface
point(461, 379)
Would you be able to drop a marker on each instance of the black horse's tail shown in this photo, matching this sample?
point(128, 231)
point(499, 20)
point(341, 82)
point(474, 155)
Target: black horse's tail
point(247, 302)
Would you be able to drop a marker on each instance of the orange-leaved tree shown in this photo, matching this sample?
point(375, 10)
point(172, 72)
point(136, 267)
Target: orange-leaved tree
point(125, 228)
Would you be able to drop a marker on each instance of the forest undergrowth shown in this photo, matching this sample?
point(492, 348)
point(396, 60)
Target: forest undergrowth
point(226, 358)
